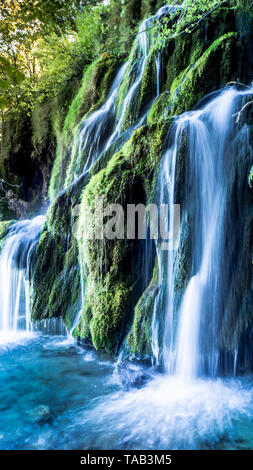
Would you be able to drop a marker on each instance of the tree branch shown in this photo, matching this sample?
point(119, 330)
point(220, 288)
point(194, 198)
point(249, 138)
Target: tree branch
point(238, 114)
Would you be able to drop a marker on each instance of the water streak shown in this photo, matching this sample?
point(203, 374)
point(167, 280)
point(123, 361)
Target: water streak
point(16, 275)
point(106, 129)
point(191, 335)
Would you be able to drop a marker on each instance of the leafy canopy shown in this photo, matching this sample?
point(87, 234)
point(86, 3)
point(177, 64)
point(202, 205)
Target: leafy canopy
point(45, 43)
point(41, 44)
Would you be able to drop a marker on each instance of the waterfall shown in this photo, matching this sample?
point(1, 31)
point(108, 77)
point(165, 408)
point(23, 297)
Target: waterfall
point(102, 131)
point(145, 40)
point(106, 129)
point(190, 300)
point(16, 273)
point(93, 136)
point(79, 313)
point(190, 343)
point(143, 46)
point(158, 69)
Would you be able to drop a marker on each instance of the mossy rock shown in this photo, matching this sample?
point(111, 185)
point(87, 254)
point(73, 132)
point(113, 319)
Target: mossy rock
point(205, 76)
point(4, 230)
point(199, 77)
point(140, 335)
point(159, 110)
point(94, 88)
point(116, 301)
point(95, 85)
point(56, 278)
point(113, 272)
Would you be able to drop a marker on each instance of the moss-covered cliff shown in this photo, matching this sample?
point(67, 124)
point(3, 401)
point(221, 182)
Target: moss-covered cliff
point(38, 153)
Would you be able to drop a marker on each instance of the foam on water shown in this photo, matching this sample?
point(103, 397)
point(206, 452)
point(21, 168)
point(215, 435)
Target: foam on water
point(14, 338)
point(167, 413)
point(74, 400)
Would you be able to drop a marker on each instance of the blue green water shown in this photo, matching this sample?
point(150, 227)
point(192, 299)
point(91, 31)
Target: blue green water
point(56, 395)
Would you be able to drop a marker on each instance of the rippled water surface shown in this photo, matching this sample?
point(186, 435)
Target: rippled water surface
point(56, 395)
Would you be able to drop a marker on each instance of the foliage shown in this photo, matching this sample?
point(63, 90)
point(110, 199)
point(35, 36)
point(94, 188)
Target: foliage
point(42, 45)
point(4, 229)
point(250, 179)
point(21, 20)
point(185, 19)
point(112, 275)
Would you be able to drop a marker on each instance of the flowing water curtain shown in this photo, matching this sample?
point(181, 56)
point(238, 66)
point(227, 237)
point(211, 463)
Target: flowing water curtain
point(186, 333)
point(80, 311)
point(100, 132)
point(105, 130)
point(93, 134)
point(16, 261)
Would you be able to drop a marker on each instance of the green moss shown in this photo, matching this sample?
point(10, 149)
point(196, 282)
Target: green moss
point(250, 178)
point(205, 76)
point(62, 101)
point(94, 88)
point(41, 126)
point(65, 295)
point(187, 50)
point(56, 279)
point(149, 81)
point(48, 265)
point(95, 85)
point(159, 109)
point(104, 316)
point(4, 229)
point(198, 78)
point(139, 337)
point(112, 269)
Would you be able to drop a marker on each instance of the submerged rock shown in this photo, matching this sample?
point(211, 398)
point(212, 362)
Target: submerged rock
point(40, 413)
point(131, 375)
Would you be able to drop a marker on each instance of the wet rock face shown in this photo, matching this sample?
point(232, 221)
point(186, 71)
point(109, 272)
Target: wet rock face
point(24, 165)
point(118, 303)
point(18, 206)
point(41, 414)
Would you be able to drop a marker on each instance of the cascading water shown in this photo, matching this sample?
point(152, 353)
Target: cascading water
point(16, 274)
point(106, 129)
point(93, 137)
point(145, 40)
point(182, 409)
point(99, 132)
point(190, 345)
point(166, 189)
point(143, 46)
point(158, 67)
point(173, 410)
point(79, 313)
